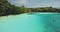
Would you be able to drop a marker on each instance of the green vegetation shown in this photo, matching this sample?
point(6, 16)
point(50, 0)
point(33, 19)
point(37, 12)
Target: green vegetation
point(8, 9)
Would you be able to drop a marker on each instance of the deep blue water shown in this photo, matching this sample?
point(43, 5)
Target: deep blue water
point(37, 22)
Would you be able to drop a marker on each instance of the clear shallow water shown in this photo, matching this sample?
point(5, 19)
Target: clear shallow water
point(37, 22)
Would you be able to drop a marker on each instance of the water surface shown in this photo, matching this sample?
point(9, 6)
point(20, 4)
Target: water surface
point(36, 22)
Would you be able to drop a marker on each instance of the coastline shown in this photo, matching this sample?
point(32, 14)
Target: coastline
point(30, 13)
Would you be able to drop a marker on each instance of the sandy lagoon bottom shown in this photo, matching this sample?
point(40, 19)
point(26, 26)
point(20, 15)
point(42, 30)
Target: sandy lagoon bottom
point(37, 22)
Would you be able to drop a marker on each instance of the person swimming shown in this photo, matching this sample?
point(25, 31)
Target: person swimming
point(54, 20)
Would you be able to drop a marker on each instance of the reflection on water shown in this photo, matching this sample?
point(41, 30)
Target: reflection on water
point(36, 22)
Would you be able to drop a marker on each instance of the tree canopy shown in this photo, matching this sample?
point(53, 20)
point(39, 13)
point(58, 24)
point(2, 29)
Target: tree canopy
point(8, 9)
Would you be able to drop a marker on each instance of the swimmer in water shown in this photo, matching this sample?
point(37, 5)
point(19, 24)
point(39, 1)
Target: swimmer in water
point(54, 20)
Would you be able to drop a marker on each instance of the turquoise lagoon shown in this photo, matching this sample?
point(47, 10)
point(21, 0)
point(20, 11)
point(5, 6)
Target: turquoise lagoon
point(36, 22)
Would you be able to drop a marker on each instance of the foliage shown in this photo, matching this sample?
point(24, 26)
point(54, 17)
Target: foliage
point(8, 9)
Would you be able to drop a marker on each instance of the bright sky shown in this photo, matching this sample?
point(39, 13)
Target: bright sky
point(36, 3)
